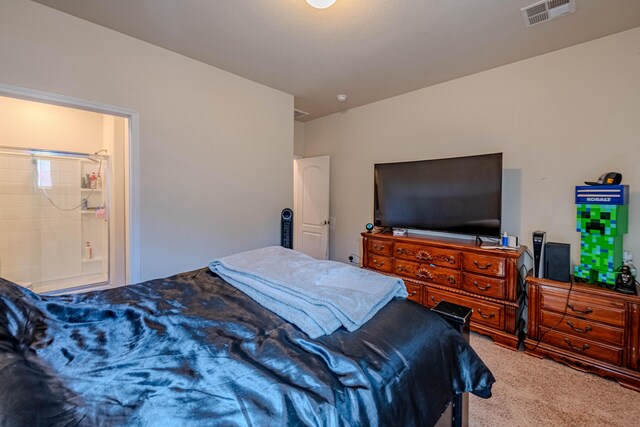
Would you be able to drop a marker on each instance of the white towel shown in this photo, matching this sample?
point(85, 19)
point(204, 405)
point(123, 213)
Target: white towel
point(317, 296)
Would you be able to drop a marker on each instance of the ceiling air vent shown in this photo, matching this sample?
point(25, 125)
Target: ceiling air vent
point(298, 114)
point(547, 10)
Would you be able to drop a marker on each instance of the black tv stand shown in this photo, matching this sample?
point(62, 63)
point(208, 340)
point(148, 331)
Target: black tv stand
point(479, 241)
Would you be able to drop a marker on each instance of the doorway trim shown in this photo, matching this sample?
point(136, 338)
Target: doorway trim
point(132, 181)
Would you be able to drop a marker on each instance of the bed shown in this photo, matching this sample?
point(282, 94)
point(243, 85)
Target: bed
point(193, 350)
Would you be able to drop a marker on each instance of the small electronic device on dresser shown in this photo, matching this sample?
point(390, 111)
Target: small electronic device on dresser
point(557, 264)
point(539, 239)
point(551, 260)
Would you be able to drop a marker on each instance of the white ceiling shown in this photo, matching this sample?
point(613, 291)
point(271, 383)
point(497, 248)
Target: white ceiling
point(367, 49)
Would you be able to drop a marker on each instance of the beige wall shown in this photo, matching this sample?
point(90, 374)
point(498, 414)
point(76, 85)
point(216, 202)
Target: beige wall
point(27, 124)
point(559, 119)
point(215, 149)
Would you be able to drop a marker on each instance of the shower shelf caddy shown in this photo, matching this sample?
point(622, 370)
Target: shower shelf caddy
point(94, 228)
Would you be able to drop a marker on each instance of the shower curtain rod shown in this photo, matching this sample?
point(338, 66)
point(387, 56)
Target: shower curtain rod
point(39, 152)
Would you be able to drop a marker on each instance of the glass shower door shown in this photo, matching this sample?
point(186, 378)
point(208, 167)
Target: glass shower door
point(53, 219)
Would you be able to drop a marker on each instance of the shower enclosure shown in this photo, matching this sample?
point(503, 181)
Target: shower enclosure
point(54, 222)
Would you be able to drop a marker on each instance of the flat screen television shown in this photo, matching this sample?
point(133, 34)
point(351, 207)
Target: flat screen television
point(461, 195)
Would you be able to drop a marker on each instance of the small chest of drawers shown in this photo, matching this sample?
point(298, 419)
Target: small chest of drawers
point(585, 326)
point(456, 271)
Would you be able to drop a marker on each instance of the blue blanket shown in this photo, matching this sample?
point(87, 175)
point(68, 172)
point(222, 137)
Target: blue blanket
point(191, 350)
point(317, 296)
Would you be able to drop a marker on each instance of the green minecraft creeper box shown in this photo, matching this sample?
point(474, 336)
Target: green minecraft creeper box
point(602, 220)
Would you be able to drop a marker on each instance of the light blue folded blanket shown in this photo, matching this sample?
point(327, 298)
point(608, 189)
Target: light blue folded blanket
point(317, 296)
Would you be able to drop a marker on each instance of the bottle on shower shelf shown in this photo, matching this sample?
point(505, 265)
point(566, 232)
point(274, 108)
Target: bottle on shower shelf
point(101, 212)
point(98, 181)
point(88, 253)
point(94, 181)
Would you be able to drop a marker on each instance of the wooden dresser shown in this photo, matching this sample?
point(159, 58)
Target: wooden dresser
point(585, 326)
point(458, 271)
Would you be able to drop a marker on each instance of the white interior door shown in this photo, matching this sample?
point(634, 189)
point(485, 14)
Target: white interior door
point(311, 206)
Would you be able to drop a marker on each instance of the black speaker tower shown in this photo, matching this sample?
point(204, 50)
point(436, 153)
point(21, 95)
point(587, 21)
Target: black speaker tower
point(286, 228)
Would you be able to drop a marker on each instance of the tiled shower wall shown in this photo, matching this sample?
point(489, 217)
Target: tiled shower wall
point(39, 242)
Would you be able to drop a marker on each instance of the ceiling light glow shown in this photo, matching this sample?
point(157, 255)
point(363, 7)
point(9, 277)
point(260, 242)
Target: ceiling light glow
point(321, 4)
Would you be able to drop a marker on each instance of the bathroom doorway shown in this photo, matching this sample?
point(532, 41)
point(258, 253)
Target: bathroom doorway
point(54, 221)
point(63, 197)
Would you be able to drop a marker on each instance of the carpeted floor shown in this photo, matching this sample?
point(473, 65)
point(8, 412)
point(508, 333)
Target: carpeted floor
point(539, 392)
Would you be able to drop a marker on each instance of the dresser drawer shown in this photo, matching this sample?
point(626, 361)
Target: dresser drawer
point(583, 307)
point(583, 346)
point(428, 273)
point(415, 292)
point(483, 312)
point(582, 328)
point(483, 264)
point(379, 247)
point(427, 254)
point(380, 263)
point(482, 285)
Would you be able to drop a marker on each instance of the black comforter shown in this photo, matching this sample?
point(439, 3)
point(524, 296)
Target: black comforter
point(193, 350)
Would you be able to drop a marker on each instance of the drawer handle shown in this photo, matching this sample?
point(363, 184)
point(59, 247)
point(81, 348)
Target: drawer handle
point(426, 256)
point(587, 311)
point(378, 248)
point(583, 331)
point(451, 279)
point(486, 316)
point(403, 251)
point(482, 267)
point(424, 274)
point(378, 264)
point(482, 288)
point(584, 347)
point(413, 293)
point(434, 299)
